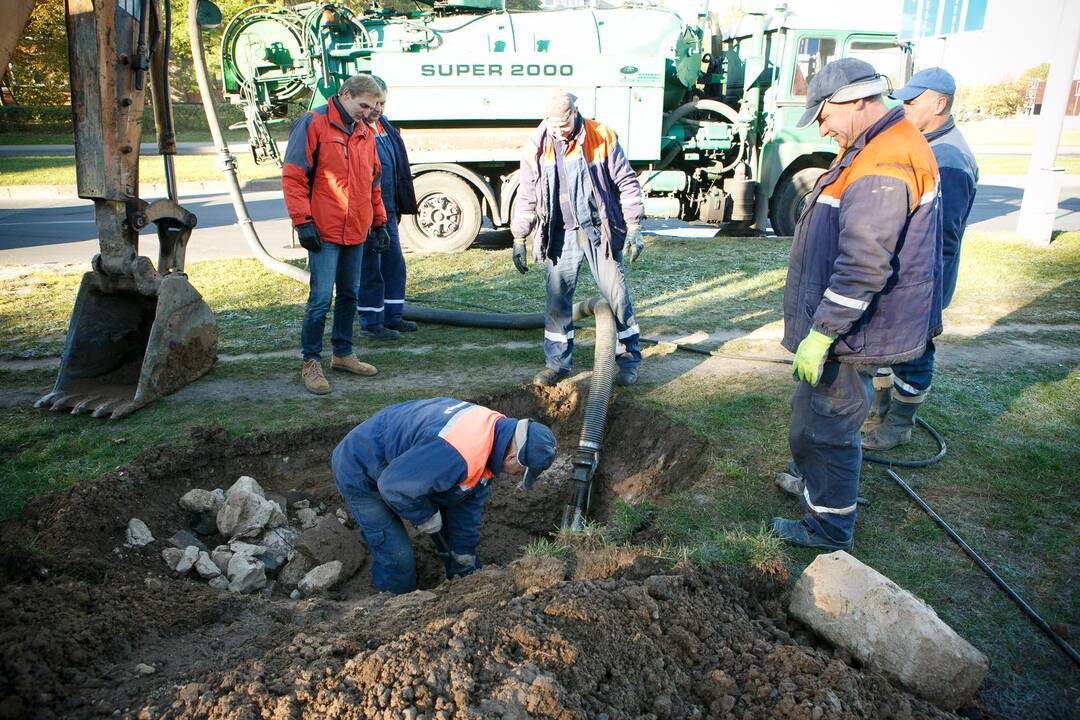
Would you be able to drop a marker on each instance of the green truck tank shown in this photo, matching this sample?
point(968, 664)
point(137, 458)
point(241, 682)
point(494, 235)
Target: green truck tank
point(707, 118)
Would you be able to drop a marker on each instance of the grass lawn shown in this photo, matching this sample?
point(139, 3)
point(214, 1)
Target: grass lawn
point(21, 138)
point(1018, 164)
point(1005, 399)
point(60, 169)
point(1011, 131)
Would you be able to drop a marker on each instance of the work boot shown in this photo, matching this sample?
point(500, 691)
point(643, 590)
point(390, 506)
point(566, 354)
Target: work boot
point(403, 326)
point(548, 377)
point(797, 532)
point(313, 378)
point(350, 364)
point(896, 428)
point(626, 376)
point(379, 332)
point(879, 404)
point(791, 481)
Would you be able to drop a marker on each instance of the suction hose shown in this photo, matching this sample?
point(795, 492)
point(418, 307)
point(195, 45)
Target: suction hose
point(587, 456)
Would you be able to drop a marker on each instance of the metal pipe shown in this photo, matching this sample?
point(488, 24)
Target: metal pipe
point(1027, 609)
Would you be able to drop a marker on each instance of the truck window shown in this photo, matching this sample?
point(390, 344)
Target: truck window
point(814, 54)
point(886, 56)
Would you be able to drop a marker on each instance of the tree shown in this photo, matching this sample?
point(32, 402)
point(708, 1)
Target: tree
point(39, 64)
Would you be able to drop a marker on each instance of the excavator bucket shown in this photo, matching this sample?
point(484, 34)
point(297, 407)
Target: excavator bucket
point(129, 345)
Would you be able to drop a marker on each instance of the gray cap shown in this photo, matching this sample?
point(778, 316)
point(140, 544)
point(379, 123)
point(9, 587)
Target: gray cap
point(841, 81)
point(935, 78)
point(536, 449)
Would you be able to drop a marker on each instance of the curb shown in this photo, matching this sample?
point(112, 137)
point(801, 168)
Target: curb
point(70, 192)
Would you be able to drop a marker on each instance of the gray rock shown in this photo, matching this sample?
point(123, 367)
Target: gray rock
point(308, 518)
point(245, 484)
point(244, 514)
point(220, 583)
point(202, 523)
point(246, 574)
point(219, 497)
point(329, 540)
point(295, 570)
point(273, 560)
point(183, 539)
point(282, 538)
point(888, 629)
point(321, 578)
point(138, 534)
point(144, 669)
point(240, 547)
point(295, 595)
point(206, 567)
point(172, 556)
point(299, 504)
point(342, 516)
point(277, 517)
point(221, 556)
point(202, 500)
point(191, 555)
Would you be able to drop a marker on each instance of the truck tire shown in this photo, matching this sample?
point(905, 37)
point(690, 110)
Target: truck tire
point(447, 217)
point(789, 198)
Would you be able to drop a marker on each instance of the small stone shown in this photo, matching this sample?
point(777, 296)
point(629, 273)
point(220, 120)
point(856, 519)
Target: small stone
point(191, 555)
point(197, 500)
point(220, 583)
point(183, 539)
point(246, 484)
point(239, 547)
point(301, 504)
point(144, 669)
point(138, 534)
point(321, 578)
point(308, 518)
point(342, 516)
point(203, 523)
point(295, 595)
point(295, 570)
point(245, 574)
point(281, 538)
point(206, 567)
point(221, 556)
point(330, 541)
point(172, 556)
point(219, 497)
point(244, 514)
point(273, 560)
point(660, 587)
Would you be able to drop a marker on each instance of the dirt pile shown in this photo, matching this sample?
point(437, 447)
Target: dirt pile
point(97, 629)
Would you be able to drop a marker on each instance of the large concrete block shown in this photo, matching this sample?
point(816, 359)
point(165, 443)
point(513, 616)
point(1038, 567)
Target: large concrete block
point(888, 629)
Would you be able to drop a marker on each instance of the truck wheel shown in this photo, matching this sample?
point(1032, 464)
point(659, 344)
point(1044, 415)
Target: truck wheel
point(447, 217)
point(789, 198)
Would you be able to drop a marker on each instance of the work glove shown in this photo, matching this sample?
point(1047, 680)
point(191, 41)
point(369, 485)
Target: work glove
point(635, 244)
point(520, 261)
point(810, 356)
point(378, 238)
point(308, 235)
point(432, 525)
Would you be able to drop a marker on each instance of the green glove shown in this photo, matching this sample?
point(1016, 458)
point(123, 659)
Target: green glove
point(810, 356)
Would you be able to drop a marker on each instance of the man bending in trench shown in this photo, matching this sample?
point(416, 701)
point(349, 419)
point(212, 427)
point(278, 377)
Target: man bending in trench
point(429, 462)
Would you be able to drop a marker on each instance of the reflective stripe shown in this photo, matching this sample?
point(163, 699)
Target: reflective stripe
point(557, 337)
point(388, 301)
point(471, 431)
point(371, 309)
point(632, 330)
point(824, 510)
point(827, 200)
point(928, 197)
point(901, 385)
point(846, 301)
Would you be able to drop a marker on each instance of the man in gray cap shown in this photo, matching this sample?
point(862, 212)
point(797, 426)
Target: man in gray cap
point(900, 392)
point(863, 288)
point(580, 198)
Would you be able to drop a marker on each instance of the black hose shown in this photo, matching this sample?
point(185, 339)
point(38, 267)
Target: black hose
point(1027, 609)
point(496, 321)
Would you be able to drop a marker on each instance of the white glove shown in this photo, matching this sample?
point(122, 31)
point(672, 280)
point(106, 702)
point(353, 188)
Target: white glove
point(432, 525)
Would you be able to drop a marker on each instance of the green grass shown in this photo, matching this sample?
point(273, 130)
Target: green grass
point(1011, 418)
point(1012, 131)
point(60, 169)
point(11, 138)
point(1018, 164)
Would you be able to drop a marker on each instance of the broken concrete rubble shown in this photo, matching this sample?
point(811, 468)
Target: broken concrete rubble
point(245, 484)
point(321, 578)
point(187, 560)
point(198, 500)
point(246, 574)
point(330, 540)
point(138, 534)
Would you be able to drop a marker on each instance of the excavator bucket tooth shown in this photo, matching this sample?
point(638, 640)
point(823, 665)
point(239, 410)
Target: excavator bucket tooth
point(126, 348)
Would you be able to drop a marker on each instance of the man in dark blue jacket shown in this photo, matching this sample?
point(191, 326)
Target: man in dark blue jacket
point(430, 462)
point(382, 273)
point(898, 394)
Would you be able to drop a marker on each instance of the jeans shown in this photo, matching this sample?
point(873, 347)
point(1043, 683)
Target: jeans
point(333, 266)
point(382, 281)
point(610, 277)
point(393, 565)
point(827, 448)
point(913, 378)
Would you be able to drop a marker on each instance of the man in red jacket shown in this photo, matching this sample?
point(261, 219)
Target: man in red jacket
point(332, 192)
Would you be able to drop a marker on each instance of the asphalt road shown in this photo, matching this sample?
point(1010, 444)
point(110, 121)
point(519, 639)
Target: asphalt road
point(59, 230)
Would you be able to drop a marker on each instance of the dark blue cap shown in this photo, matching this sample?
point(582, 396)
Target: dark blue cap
point(841, 81)
point(536, 449)
point(935, 78)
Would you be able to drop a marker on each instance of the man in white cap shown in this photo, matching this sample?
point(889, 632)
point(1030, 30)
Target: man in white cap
point(581, 199)
point(863, 288)
point(900, 391)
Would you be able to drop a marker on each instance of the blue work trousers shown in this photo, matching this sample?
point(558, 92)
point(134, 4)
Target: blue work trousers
point(393, 565)
point(826, 446)
point(333, 267)
point(610, 277)
point(914, 377)
point(382, 282)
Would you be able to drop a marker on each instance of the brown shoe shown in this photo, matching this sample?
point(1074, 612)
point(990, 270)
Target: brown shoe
point(314, 380)
point(350, 364)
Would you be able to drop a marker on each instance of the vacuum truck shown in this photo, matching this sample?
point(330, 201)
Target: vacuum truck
point(706, 117)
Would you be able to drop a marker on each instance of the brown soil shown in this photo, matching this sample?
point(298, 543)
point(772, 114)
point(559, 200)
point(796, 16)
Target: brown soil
point(602, 633)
